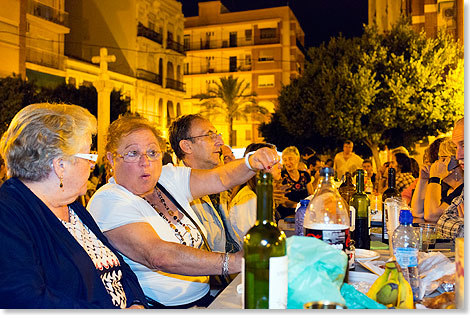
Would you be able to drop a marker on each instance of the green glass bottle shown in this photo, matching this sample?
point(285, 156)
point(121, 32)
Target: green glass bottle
point(361, 204)
point(265, 254)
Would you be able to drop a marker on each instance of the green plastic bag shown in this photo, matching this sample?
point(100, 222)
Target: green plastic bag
point(357, 300)
point(316, 271)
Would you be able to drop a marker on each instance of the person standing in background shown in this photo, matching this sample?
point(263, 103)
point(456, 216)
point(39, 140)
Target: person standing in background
point(347, 160)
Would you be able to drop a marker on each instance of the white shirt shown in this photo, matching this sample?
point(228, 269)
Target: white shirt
point(242, 213)
point(113, 206)
point(341, 165)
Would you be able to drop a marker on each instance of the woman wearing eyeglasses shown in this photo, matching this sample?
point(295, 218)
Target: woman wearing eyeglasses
point(53, 254)
point(161, 241)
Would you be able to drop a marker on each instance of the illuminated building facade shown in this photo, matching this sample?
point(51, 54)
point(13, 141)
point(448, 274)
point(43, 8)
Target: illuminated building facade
point(262, 47)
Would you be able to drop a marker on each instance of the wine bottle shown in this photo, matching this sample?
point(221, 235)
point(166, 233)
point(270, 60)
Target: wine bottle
point(391, 191)
point(265, 254)
point(361, 204)
point(347, 188)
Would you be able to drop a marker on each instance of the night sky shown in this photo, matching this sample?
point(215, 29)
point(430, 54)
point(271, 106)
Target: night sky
point(320, 19)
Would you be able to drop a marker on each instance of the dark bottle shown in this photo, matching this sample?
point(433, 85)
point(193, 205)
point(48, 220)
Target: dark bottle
point(361, 204)
point(347, 188)
point(265, 254)
point(391, 191)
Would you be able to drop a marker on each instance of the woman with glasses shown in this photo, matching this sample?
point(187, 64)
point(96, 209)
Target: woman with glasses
point(53, 254)
point(144, 211)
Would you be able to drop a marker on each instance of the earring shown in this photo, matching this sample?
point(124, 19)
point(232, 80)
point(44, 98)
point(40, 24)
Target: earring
point(61, 185)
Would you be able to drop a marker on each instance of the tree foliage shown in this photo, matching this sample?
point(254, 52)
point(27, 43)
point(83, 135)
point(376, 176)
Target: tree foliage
point(231, 99)
point(16, 93)
point(378, 89)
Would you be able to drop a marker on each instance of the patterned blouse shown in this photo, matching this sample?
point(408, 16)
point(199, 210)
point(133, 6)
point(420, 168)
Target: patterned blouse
point(105, 261)
point(403, 180)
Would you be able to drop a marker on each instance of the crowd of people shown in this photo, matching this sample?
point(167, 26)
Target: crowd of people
point(160, 234)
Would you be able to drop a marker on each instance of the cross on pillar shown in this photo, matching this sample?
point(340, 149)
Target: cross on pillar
point(103, 86)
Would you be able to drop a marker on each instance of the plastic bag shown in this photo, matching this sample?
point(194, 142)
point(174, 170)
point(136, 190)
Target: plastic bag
point(316, 271)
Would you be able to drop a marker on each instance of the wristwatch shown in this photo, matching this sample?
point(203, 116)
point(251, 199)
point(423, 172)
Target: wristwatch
point(436, 180)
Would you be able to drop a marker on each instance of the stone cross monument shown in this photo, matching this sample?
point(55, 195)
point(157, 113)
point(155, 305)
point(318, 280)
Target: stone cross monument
point(104, 87)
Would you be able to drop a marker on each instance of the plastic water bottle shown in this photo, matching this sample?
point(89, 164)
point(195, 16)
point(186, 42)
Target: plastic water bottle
point(299, 217)
point(405, 249)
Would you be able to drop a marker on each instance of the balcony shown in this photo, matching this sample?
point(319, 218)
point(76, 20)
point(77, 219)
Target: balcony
point(240, 42)
point(149, 76)
point(300, 46)
point(205, 70)
point(45, 58)
point(149, 34)
point(171, 44)
point(48, 13)
point(174, 85)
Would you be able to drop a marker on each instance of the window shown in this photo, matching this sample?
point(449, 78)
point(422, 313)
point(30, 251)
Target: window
point(248, 135)
point(266, 55)
point(248, 60)
point(267, 33)
point(186, 68)
point(187, 42)
point(248, 35)
point(266, 80)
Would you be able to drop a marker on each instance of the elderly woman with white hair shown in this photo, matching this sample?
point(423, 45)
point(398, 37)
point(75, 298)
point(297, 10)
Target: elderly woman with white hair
point(298, 182)
point(445, 182)
point(53, 255)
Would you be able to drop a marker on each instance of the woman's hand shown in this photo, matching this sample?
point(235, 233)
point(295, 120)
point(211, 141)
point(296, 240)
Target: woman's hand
point(439, 169)
point(424, 172)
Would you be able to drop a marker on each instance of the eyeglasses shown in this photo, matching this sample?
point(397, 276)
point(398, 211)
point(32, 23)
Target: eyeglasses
point(134, 156)
point(211, 134)
point(90, 157)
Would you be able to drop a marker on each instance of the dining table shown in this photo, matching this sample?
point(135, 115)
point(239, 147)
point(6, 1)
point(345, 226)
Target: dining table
point(231, 297)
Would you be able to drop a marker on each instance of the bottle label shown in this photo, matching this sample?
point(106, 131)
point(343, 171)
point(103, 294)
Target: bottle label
point(339, 238)
point(385, 214)
point(406, 256)
point(352, 218)
point(278, 282)
point(243, 282)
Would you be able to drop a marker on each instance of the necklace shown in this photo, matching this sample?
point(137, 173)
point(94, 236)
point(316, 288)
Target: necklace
point(175, 217)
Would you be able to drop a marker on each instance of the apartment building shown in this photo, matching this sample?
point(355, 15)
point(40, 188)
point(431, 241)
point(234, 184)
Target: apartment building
point(261, 47)
point(146, 36)
point(32, 40)
point(427, 15)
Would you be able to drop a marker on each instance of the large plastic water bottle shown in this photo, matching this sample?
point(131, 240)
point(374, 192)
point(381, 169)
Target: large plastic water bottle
point(405, 249)
point(299, 217)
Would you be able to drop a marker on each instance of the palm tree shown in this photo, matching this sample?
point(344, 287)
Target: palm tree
point(228, 99)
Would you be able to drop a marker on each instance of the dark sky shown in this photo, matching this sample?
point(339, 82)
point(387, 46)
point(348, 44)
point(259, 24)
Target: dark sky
point(320, 19)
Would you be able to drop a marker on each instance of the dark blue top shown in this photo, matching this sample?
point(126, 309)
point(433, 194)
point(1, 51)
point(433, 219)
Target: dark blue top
point(41, 263)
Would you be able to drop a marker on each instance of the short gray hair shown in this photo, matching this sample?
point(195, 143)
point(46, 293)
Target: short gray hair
point(42, 132)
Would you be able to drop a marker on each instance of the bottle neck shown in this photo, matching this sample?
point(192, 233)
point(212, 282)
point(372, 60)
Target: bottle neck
point(264, 194)
point(391, 179)
point(360, 183)
point(327, 180)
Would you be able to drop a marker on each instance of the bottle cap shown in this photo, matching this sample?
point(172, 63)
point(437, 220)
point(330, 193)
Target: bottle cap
point(327, 171)
point(304, 202)
point(406, 217)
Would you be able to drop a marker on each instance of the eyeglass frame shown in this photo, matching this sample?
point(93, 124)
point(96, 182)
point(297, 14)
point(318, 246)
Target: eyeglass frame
point(159, 155)
point(91, 157)
point(212, 135)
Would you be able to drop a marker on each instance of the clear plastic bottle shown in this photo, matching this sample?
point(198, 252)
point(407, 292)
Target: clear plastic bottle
point(327, 216)
point(299, 217)
point(405, 249)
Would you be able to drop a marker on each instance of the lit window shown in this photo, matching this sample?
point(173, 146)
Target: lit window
point(266, 80)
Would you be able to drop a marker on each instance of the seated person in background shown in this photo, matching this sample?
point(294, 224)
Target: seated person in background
point(444, 184)
point(347, 160)
point(145, 211)
point(227, 154)
point(402, 164)
point(431, 154)
point(407, 193)
point(451, 222)
point(314, 165)
point(329, 163)
point(299, 183)
point(382, 180)
point(242, 208)
point(53, 255)
point(370, 175)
